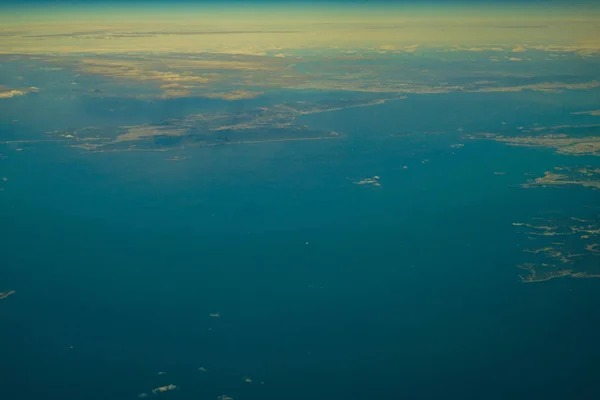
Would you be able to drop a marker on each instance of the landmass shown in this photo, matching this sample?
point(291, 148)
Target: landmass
point(275, 123)
point(4, 295)
point(575, 255)
point(546, 272)
point(586, 176)
point(561, 143)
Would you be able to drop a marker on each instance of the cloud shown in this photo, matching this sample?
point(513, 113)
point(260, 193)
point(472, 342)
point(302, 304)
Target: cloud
point(519, 49)
point(175, 94)
point(477, 49)
point(582, 49)
point(514, 59)
point(142, 33)
point(521, 26)
point(410, 48)
point(143, 70)
point(394, 47)
point(7, 93)
point(235, 95)
point(185, 75)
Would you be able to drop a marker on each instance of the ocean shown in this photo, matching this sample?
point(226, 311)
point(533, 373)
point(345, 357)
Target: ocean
point(268, 268)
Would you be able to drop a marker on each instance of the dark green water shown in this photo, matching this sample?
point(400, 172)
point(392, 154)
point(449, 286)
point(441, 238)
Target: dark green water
point(409, 290)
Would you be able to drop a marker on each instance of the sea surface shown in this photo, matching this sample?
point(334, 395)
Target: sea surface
point(324, 289)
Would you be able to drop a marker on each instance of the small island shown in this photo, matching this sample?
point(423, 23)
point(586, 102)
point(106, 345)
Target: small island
point(163, 389)
point(374, 181)
point(177, 158)
point(4, 295)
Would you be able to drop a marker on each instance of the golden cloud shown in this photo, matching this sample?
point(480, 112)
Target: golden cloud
point(235, 95)
point(7, 93)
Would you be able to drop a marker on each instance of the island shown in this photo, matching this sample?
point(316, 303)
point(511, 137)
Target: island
point(562, 246)
point(374, 181)
point(163, 389)
point(574, 140)
point(546, 272)
point(274, 123)
point(585, 176)
point(4, 295)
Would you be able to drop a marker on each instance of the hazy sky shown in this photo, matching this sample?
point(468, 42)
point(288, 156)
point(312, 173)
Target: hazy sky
point(106, 26)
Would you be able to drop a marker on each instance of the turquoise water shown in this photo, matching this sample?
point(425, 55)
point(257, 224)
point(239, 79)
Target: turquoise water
point(325, 289)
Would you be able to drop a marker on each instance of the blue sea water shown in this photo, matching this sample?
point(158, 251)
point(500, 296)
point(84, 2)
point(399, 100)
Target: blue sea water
point(324, 289)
